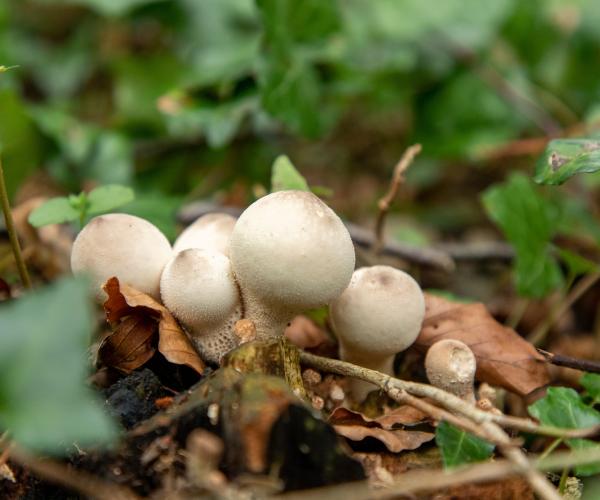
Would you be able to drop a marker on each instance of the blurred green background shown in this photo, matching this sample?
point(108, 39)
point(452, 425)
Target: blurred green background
point(193, 99)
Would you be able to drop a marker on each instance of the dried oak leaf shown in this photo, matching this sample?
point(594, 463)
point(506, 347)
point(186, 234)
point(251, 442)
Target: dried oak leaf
point(132, 341)
point(356, 427)
point(504, 358)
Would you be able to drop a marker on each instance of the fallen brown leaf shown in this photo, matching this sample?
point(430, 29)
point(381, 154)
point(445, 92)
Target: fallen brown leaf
point(173, 343)
point(504, 358)
point(356, 427)
point(130, 345)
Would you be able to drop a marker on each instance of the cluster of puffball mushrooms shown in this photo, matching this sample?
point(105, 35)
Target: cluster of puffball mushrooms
point(287, 253)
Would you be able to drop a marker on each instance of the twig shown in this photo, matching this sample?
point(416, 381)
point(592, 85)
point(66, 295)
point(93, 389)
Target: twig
point(445, 399)
point(537, 481)
point(539, 334)
point(584, 365)
point(12, 232)
point(418, 481)
point(386, 202)
point(68, 477)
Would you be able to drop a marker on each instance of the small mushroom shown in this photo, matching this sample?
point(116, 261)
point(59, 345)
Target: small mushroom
point(377, 316)
point(121, 245)
point(211, 231)
point(451, 365)
point(198, 287)
point(290, 252)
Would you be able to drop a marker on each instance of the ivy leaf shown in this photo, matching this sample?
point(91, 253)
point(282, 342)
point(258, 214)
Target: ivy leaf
point(284, 176)
point(459, 447)
point(105, 198)
point(564, 158)
point(591, 383)
point(577, 264)
point(45, 402)
point(563, 407)
point(53, 211)
point(529, 222)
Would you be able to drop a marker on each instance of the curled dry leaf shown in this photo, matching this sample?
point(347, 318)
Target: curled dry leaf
point(356, 427)
point(131, 344)
point(504, 358)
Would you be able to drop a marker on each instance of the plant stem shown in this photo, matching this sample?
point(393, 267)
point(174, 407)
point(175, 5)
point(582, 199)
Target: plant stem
point(12, 232)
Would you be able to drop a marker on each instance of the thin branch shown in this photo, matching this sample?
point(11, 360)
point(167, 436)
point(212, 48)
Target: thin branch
point(578, 364)
point(420, 481)
point(63, 475)
point(386, 202)
point(445, 399)
point(393, 386)
point(539, 334)
point(12, 232)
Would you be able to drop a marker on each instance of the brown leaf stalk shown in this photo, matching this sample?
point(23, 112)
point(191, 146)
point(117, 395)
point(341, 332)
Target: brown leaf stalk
point(386, 202)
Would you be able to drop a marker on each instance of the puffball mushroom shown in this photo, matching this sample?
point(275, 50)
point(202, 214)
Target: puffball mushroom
point(450, 365)
point(290, 252)
point(377, 316)
point(211, 231)
point(198, 287)
point(121, 245)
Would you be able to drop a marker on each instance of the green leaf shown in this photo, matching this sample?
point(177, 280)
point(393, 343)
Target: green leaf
point(529, 222)
point(105, 198)
point(576, 263)
point(459, 447)
point(53, 211)
point(109, 7)
point(564, 158)
point(284, 176)
point(562, 407)
point(45, 403)
point(591, 383)
point(589, 469)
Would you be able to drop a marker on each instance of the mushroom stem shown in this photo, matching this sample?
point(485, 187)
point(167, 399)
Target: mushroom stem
point(359, 389)
point(269, 321)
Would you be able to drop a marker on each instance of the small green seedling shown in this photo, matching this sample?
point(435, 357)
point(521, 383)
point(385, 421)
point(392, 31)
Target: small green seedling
point(77, 207)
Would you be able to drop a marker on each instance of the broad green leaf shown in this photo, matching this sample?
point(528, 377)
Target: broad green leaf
point(591, 383)
point(105, 198)
point(562, 407)
point(529, 222)
point(564, 158)
point(284, 176)
point(45, 403)
point(459, 447)
point(53, 211)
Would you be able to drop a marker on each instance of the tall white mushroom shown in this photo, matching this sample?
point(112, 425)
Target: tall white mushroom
point(450, 365)
point(198, 287)
point(121, 245)
point(290, 252)
point(210, 231)
point(377, 316)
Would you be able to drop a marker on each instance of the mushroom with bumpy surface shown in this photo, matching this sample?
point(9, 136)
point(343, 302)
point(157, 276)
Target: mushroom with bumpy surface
point(290, 252)
point(450, 365)
point(121, 245)
point(210, 231)
point(198, 287)
point(377, 316)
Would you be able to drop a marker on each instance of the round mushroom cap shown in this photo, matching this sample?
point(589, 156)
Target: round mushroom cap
point(210, 231)
point(291, 250)
point(450, 364)
point(380, 313)
point(121, 245)
point(198, 287)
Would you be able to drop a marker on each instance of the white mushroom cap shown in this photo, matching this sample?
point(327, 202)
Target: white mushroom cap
point(211, 231)
point(450, 365)
point(289, 252)
point(121, 245)
point(198, 287)
point(378, 315)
